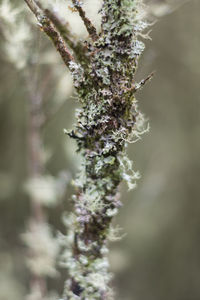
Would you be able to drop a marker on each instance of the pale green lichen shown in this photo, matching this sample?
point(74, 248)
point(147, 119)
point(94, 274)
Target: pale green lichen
point(108, 119)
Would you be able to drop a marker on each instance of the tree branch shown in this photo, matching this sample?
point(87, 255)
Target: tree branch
point(33, 7)
point(107, 120)
point(47, 26)
point(88, 24)
point(61, 26)
point(143, 82)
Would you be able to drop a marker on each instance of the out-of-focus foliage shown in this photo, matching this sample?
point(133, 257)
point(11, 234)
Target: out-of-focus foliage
point(17, 34)
point(159, 257)
point(160, 8)
point(44, 248)
point(47, 190)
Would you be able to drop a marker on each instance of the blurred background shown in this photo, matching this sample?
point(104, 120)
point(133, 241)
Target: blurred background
point(159, 257)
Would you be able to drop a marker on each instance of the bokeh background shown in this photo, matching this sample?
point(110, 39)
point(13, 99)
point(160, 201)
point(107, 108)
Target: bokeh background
point(159, 257)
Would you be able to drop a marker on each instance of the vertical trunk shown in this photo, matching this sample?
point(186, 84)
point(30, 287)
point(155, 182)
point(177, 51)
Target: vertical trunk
point(106, 121)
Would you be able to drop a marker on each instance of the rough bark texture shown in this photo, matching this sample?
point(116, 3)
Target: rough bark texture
point(107, 120)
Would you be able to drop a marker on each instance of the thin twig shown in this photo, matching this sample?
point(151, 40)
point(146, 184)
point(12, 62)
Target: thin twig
point(33, 7)
point(88, 24)
point(78, 48)
point(58, 23)
point(144, 81)
point(47, 26)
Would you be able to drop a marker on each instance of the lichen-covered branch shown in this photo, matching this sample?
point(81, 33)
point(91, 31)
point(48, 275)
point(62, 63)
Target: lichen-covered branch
point(88, 24)
point(77, 48)
point(107, 120)
point(47, 26)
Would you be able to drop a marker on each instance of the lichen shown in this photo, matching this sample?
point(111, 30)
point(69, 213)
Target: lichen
point(107, 120)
